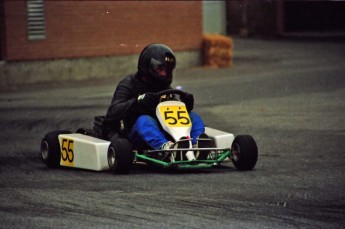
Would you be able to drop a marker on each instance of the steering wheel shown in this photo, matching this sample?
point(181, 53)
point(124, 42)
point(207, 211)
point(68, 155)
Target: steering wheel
point(171, 92)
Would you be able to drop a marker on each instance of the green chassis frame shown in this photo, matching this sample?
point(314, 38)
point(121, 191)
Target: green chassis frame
point(218, 155)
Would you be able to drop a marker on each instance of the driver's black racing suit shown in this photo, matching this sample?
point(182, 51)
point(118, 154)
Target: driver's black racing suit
point(124, 105)
point(140, 122)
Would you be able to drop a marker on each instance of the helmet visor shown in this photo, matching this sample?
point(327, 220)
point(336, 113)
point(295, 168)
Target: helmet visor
point(161, 70)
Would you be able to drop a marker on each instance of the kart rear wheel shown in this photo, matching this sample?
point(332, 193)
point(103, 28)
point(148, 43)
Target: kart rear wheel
point(120, 155)
point(50, 148)
point(245, 152)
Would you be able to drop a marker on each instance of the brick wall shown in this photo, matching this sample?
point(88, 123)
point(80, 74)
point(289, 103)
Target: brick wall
point(81, 28)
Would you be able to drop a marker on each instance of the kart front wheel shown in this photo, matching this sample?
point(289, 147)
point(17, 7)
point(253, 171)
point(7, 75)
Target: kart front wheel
point(50, 148)
point(120, 155)
point(245, 152)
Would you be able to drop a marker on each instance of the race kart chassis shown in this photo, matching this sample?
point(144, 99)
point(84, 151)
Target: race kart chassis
point(217, 155)
point(215, 158)
point(87, 150)
point(76, 150)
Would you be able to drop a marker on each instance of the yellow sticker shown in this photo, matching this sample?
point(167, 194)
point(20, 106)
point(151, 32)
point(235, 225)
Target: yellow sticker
point(175, 116)
point(67, 152)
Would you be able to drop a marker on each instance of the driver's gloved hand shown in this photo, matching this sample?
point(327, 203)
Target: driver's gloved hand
point(188, 99)
point(150, 100)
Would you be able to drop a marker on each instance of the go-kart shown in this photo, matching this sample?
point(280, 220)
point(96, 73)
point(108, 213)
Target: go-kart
point(87, 150)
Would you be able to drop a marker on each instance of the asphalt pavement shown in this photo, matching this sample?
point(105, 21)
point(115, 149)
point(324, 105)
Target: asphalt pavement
point(288, 94)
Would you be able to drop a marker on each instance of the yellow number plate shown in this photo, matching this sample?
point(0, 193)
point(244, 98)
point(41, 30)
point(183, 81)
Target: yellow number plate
point(67, 152)
point(175, 116)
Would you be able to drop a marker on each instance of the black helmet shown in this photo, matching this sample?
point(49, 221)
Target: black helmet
point(154, 59)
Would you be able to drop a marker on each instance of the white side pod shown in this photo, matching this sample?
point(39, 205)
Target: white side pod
point(221, 139)
point(85, 152)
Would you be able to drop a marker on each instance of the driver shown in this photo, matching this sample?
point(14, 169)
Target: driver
point(135, 100)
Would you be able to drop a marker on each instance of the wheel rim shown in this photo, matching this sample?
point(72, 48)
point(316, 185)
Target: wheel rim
point(236, 152)
point(111, 157)
point(45, 150)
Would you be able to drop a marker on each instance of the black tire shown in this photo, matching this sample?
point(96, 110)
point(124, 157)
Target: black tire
point(120, 155)
point(50, 148)
point(245, 152)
